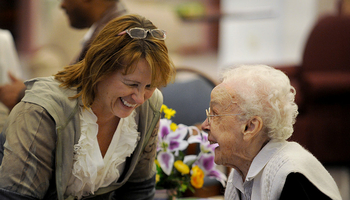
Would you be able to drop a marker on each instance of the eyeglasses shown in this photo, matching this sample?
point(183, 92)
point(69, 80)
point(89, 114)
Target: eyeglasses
point(141, 33)
point(209, 115)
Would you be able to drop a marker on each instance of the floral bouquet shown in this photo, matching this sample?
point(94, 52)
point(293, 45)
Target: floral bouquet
point(176, 171)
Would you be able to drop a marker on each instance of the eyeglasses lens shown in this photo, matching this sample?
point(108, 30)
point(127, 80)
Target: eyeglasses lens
point(158, 34)
point(137, 33)
point(207, 111)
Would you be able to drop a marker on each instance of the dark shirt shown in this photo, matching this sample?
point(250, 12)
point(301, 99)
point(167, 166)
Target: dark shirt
point(298, 187)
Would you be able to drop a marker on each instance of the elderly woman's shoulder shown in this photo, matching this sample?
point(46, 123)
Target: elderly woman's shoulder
point(294, 154)
point(293, 158)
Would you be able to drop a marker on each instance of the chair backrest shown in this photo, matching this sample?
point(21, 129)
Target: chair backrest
point(325, 70)
point(189, 95)
point(328, 45)
point(324, 85)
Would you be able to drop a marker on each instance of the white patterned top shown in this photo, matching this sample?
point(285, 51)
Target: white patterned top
point(92, 171)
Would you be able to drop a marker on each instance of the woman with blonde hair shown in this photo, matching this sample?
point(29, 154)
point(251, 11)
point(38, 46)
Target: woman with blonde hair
point(90, 130)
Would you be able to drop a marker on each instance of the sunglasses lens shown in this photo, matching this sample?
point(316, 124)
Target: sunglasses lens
point(137, 33)
point(158, 34)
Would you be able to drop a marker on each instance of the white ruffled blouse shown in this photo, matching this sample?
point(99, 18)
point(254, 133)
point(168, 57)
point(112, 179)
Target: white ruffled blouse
point(91, 171)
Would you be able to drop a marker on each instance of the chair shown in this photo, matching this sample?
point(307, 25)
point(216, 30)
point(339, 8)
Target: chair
point(322, 82)
point(325, 71)
point(189, 95)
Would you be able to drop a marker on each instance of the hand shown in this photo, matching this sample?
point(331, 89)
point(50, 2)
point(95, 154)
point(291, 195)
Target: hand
point(9, 93)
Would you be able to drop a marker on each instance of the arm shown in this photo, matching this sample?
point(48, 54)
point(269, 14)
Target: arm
point(297, 186)
point(145, 170)
point(12, 93)
point(28, 153)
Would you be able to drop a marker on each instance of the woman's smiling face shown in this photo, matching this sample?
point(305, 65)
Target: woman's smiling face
point(120, 94)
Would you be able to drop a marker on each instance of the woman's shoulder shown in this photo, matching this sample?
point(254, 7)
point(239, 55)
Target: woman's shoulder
point(156, 100)
point(47, 88)
point(42, 83)
point(47, 92)
point(293, 158)
point(293, 155)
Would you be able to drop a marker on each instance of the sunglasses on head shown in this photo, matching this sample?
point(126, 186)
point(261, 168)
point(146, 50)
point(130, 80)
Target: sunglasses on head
point(141, 33)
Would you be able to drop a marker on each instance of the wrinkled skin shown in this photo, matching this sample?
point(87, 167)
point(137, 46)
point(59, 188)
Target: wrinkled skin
point(239, 140)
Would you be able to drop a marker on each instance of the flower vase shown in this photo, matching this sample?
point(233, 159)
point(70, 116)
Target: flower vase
point(165, 195)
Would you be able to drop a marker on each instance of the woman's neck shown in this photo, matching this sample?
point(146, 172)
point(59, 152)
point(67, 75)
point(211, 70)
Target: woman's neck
point(107, 125)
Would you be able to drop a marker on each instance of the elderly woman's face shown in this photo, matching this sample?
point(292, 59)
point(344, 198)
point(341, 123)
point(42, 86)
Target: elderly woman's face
point(225, 130)
point(120, 94)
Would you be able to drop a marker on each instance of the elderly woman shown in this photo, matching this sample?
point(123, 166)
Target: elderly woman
point(251, 115)
point(90, 131)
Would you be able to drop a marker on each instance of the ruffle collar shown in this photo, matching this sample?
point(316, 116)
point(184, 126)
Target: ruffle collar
point(92, 171)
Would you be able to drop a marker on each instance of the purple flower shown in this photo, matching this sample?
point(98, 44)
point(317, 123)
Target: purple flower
point(170, 141)
point(202, 138)
point(206, 163)
point(218, 175)
point(166, 161)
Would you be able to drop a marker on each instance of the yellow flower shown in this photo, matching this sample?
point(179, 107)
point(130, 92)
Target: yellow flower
point(181, 167)
point(157, 163)
point(173, 126)
point(157, 178)
point(197, 178)
point(168, 112)
point(163, 108)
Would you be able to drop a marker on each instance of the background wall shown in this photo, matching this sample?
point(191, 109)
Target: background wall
point(267, 31)
point(204, 34)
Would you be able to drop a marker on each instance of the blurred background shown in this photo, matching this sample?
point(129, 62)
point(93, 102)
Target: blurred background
point(208, 36)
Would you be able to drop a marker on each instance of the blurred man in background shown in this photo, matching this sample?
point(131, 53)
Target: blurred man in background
point(92, 14)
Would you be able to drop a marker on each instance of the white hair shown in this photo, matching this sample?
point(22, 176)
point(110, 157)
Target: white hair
point(265, 92)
